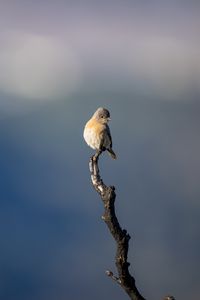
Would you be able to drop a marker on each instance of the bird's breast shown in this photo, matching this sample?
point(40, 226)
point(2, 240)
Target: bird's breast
point(95, 135)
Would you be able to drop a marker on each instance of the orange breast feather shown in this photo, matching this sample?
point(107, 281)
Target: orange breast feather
point(96, 126)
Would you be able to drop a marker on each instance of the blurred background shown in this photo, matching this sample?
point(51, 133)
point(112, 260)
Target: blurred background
point(59, 61)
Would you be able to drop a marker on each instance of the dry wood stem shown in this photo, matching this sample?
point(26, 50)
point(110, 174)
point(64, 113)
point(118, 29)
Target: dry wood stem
point(107, 194)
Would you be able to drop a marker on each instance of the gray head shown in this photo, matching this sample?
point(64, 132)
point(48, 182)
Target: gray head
point(102, 115)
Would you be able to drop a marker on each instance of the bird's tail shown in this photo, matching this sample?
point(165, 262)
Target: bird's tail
point(112, 153)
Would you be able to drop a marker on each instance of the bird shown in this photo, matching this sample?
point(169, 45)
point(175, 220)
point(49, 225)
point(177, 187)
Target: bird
point(97, 132)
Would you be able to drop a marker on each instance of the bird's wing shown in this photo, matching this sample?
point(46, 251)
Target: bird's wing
point(109, 135)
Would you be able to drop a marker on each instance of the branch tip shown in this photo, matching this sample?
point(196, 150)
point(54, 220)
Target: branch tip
point(111, 275)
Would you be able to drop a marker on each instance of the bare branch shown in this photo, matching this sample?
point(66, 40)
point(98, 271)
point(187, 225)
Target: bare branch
point(107, 194)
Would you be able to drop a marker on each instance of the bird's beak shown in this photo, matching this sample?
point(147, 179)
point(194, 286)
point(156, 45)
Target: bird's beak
point(109, 119)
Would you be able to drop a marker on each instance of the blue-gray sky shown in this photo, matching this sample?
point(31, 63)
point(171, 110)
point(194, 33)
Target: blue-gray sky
point(59, 61)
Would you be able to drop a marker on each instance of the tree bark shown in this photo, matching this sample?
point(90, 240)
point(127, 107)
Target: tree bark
point(107, 194)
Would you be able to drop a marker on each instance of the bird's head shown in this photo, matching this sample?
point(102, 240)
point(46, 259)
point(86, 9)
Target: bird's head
point(102, 115)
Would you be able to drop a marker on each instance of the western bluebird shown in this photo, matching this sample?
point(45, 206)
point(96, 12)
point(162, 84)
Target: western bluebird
point(97, 133)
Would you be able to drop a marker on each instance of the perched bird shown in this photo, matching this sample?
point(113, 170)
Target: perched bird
point(97, 133)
